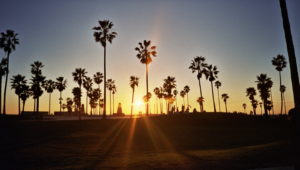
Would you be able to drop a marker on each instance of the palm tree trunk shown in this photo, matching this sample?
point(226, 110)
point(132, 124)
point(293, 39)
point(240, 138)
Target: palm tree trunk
point(219, 100)
point(19, 103)
point(272, 102)
point(110, 103)
point(99, 100)
point(226, 106)
point(201, 103)
point(60, 101)
point(187, 100)
point(23, 106)
point(147, 104)
point(5, 86)
point(113, 98)
point(132, 100)
point(265, 107)
point(37, 104)
point(79, 107)
point(86, 103)
point(281, 99)
point(104, 108)
point(0, 95)
point(49, 103)
point(284, 103)
point(183, 101)
point(213, 96)
point(161, 106)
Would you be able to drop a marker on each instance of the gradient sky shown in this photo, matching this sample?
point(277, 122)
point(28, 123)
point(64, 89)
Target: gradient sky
point(239, 36)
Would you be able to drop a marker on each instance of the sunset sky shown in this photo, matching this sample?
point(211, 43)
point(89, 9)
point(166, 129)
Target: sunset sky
point(240, 36)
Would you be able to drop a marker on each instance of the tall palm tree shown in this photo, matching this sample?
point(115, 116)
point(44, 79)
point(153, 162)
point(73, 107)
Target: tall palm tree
point(282, 90)
point(169, 85)
point(218, 85)
point(158, 92)
point(144, 53)
point(103, 34)
point(292, 56)
point(109, 84)
point(77, 96)
point(134, 81)
point(3, 69)
point(244, 106)
point(211, 75)
point(49, 86)
point(18, 82)
point(198, 65)
point(8, 42)
point(264, 84)
point(26, 92)
point(187, 90)
point(251, 92)
point(175, 93)
point(79, 75)
point(87, 85)
point(225, 97)
point(37, 81)
point(61, 85)
point(113, 91)
point(98, 79)
point(182, 94)
point(279, 63)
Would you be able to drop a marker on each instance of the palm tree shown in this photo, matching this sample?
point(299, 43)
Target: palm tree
point(26, 92)
point(87, 85)
point(264, 84)
point(200, 100)
point(79, 75)
point(292, 55)
point(69, 104)
point(145, 52)
point(218, 85)
point(3, 69)
point(94, 96)
point(8, 42)
point(134, 81)
point(98, 79)
point(187, 90)
point(103, 34)
point(61, 85)
point(175, 92)
point(182, 94)
point(18, 82)
point(211, 75)
point(77, 97)
point(244, 106)
point(49, 86)
point(251, 92)
point(279, 63)
point(225, 97)
point(282, 90)
point(198, 65)
point(37, 81)
point(169, 85)
point(114, 90)
point(109, 84)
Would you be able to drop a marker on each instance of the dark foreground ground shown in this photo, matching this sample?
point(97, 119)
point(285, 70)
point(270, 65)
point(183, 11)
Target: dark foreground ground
point(206, 141)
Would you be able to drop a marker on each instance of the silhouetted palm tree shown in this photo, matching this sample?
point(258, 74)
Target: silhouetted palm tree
point(169, 85)
point(49, 86)
point(264, 84)
point(145, 53)
point(225, 97)
point(79, 75)
point(61, 85)
point(98, 79)
point(109, 84)
point(282, 90)
point(251, 92)
point(158, 92)
point(182, 94)
point(279, 63)
point(25, 94)
point(18, 82)
point(8, 42)
point(200, 100)
point(77, 97)
point(87, 85)
point(94, 96)
point(134, 81)
point(218, 85)
point(147, 98)
point(3, 69)
point(114, 90)
point(37, 81)
point(103, 34)
point(175, 93)
point(211, 75)
point(198, 65)
point(69, 104)
point(244, 106)
point(187, 90)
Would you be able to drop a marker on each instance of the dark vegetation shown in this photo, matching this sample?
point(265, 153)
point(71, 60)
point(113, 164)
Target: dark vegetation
point(206, 141)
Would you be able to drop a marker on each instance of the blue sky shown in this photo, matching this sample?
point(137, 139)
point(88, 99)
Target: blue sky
point(239, 36)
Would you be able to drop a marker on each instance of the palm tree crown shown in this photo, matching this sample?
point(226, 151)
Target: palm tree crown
point(103, 32)
point(264, 84)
